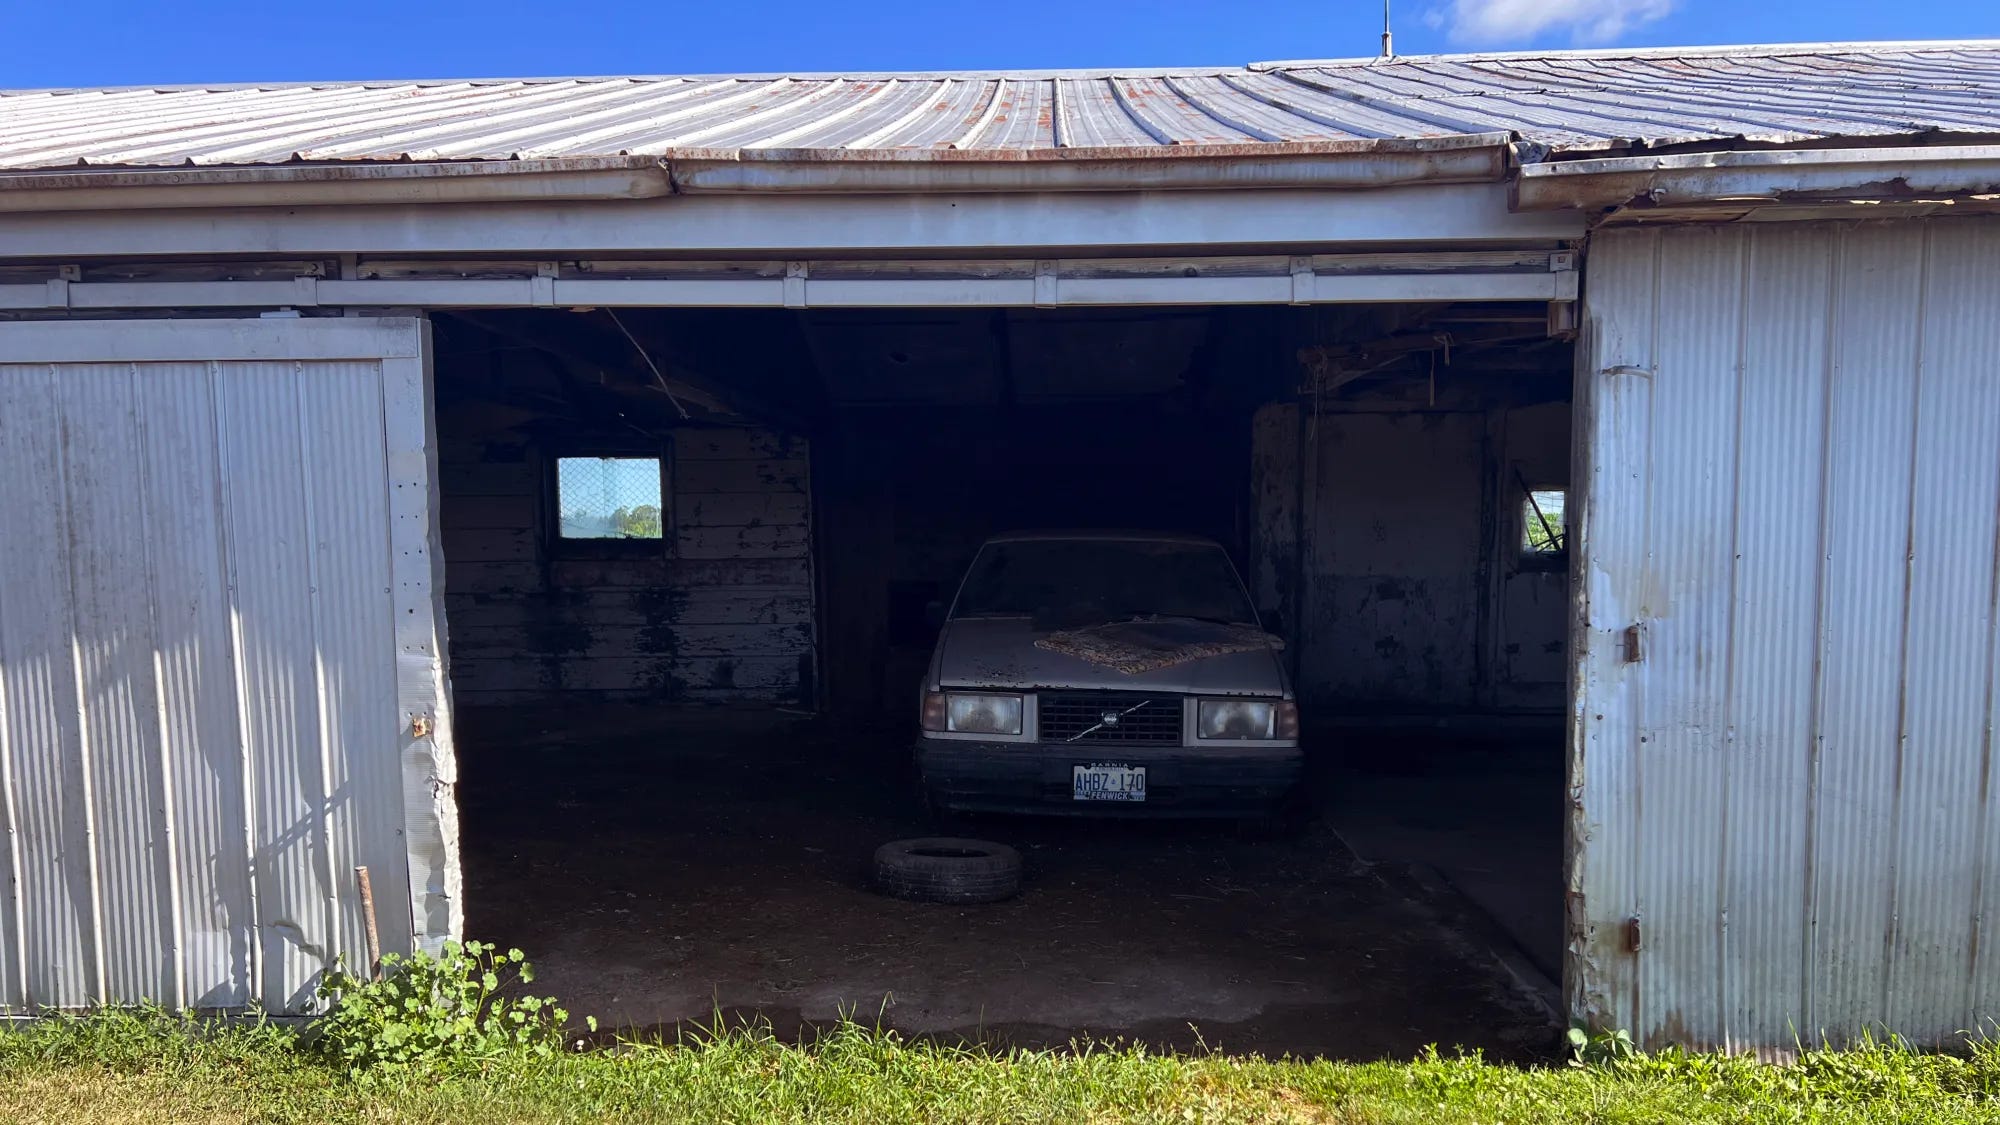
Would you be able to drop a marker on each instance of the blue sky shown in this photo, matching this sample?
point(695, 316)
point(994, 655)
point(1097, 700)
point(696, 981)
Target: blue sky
point(99, 42)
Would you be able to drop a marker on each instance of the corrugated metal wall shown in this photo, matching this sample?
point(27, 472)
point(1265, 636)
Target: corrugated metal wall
point(1792, 463)
point(203, 618)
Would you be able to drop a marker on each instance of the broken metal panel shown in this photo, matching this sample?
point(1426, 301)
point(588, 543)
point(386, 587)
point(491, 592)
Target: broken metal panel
point(1614, 402)
point(1793, 500)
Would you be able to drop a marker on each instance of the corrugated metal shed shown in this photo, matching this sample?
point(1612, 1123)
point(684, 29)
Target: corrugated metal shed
point(1567, 101)
point(1785, 816)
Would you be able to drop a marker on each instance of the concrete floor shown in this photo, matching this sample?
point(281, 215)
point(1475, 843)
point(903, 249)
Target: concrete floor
point(661, 870)
point(1485, 813)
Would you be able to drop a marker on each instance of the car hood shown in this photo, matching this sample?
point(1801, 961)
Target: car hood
point(1000, 653)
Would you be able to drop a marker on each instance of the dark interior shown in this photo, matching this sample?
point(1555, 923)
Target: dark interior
point(679, 751)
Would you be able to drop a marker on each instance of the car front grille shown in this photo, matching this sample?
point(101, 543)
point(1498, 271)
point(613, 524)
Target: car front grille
point(1097, 718)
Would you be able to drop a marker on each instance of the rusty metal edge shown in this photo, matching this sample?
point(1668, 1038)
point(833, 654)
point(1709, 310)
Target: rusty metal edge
point(1483, 157)
point(1770, 175)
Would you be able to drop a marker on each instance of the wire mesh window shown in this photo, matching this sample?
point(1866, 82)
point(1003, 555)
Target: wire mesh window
point(1543, 533)
point(609, 497)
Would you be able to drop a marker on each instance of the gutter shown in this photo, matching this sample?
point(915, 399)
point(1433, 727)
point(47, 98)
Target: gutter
point(306, 185)
point(1931, 172)
point(1346, 165)
point(1360, 163)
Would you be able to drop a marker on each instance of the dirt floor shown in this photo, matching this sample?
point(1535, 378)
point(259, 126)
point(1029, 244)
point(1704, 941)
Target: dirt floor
point(661, 869)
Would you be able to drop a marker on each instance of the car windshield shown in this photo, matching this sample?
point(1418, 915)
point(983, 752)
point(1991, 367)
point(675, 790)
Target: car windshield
point(1075, 582)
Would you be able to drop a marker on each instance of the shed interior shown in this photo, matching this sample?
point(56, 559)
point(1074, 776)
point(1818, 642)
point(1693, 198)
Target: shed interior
point(690, 559)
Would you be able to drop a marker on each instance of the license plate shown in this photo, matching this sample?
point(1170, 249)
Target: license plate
point(1108, 783)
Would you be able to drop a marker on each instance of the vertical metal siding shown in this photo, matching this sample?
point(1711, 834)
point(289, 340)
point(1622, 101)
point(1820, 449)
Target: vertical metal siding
point(341, 437)
point(1862, 626)
point(1683, 744)
point(55, 887)
point(268, 527)
point(199, 701)
point(205, 811)
point(113, 637)
point(1792, 492)
point(1780, 435)
point(1948, 720)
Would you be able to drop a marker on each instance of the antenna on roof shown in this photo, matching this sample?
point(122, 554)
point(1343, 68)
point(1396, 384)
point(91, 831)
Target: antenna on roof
point(1388, 37)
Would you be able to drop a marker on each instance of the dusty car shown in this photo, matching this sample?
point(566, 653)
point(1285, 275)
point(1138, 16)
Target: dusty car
point(1107, 673)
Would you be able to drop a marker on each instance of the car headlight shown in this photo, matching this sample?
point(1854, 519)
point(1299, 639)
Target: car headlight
point(965, 712)
point(1247, 718)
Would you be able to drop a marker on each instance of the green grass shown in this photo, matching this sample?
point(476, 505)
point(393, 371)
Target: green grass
point(119, 1067)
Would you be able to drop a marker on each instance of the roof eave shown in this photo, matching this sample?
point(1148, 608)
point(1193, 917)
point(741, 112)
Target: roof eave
point(1782, 175)
point(1345, 164)
point(1356, 164)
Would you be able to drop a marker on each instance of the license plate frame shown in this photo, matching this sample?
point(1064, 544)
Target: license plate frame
point(1107, 781)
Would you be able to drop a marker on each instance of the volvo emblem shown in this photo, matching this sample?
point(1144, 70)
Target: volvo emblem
point(1109, 718)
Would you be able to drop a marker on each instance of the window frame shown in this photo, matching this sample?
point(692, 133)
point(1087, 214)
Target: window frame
point(1525, 559)
point(561, 546)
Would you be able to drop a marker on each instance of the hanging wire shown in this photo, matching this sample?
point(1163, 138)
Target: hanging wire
point(654, 367)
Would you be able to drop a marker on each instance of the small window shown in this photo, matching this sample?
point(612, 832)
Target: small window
point(609, 498)
point(1544, 535)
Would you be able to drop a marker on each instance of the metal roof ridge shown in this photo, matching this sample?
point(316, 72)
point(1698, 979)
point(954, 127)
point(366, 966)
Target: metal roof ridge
point(551, 79)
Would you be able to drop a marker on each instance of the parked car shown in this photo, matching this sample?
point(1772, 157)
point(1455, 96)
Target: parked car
point(1107, 673)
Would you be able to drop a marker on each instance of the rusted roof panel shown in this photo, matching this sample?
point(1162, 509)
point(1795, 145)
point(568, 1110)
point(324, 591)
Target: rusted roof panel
point(1568, 101)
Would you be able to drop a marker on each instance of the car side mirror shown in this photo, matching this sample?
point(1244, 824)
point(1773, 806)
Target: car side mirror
point(934, 614)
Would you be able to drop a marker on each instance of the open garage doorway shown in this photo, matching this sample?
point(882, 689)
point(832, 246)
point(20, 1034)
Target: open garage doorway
point(695, 561)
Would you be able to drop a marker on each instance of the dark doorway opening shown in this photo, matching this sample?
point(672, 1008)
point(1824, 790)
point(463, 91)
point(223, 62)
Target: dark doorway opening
point(683, 734)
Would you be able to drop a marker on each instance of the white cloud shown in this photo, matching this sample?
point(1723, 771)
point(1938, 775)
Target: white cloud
point(1494, 22)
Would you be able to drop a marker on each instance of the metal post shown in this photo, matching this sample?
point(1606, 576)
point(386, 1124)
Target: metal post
point(368, 918)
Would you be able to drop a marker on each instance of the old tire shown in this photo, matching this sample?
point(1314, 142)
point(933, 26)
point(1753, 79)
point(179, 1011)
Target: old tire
point(947, 869)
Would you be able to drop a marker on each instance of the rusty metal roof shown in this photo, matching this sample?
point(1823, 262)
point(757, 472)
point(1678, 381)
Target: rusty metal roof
point(1567, 101)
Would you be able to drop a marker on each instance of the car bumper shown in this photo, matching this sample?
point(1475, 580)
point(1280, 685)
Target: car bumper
point(1013, 777)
